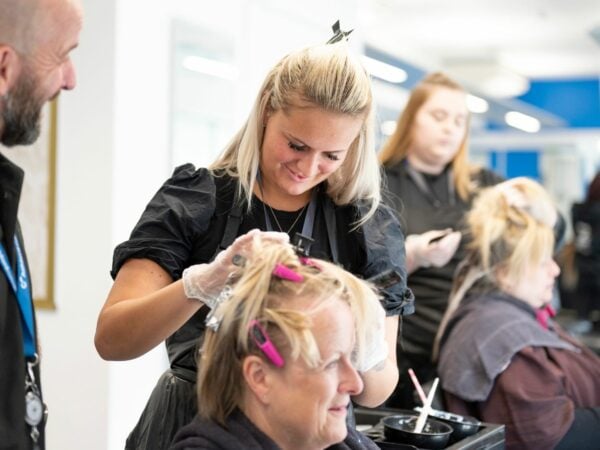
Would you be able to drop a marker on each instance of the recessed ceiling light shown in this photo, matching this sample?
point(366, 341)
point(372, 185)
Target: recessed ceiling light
point(522, 121)
point(384, 71)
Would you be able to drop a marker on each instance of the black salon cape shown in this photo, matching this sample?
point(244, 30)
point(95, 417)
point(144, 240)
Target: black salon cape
point(183, 225)
point(14, 433)
point(499, 364)
point(242, 434)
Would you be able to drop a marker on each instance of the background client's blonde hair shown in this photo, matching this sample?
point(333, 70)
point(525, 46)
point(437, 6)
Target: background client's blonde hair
point(510, 227)
point(281, 307)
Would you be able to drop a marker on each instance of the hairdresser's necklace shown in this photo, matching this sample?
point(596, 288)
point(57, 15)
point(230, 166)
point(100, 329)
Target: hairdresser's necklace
point(309, 220)
point(293, 224)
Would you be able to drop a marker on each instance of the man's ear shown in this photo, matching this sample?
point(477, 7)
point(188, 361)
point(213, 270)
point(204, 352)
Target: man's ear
point(258, 377)
point(9, 68)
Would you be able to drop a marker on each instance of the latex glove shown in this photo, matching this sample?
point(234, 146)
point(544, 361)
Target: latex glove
point(205, 282)
point(376, 348)
point(420, 252)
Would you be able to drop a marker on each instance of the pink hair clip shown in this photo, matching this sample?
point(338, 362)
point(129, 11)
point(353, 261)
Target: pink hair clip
point(285, 273)
point(305, 260)
point(543, 314)
point(264, 343)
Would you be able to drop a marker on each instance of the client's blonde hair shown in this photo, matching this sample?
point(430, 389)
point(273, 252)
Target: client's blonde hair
point(276, 304)
point(511, 227)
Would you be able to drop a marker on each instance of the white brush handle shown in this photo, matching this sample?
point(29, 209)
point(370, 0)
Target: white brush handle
point(426, 408)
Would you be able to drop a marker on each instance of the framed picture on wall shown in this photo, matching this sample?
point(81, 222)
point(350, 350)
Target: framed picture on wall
point(37, 205)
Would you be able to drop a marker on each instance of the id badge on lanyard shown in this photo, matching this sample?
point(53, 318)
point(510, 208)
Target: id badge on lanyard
point(35, 409)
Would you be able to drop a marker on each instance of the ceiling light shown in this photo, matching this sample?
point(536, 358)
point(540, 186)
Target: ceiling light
point(384, 71)
point(505, 84)
point(522, 121)
point(488, 76)
point(388, 127)
point(477, 104)
point(210, 67)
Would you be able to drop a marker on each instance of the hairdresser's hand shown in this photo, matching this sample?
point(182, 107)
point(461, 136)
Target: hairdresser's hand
point(376, 348)
point(205, 282)
point(421, 252)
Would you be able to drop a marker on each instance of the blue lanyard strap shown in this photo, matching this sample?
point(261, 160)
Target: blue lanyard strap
point(21, 288)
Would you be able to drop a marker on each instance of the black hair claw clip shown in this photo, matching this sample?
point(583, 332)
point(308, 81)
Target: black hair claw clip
point(338, 34)
point(302, 244)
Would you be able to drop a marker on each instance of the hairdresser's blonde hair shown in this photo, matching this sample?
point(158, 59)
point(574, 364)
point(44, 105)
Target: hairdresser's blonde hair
point(511, 228)
point(397, 146)
point(284, 308)
point(328, 77)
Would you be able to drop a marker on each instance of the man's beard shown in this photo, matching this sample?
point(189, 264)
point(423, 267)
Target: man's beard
point(21, 114)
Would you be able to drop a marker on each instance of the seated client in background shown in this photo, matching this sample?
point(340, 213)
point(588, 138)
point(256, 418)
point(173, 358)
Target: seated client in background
point(501, 357)
point(278, 359)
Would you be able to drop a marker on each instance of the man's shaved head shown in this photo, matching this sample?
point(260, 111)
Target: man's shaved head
point(36, 38)
point(24, 22)
point(15, 21)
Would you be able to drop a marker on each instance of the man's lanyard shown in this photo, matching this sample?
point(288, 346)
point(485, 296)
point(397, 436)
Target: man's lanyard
point(21, 287)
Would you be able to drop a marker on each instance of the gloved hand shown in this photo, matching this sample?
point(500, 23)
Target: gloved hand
point(205, 282)
point(420, 252)
point(376, 348)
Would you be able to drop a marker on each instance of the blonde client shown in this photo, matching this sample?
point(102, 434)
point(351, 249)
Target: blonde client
point(501, 357)
point(277, 368)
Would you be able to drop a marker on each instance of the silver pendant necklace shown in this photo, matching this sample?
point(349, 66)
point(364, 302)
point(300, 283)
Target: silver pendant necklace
point(293, 224)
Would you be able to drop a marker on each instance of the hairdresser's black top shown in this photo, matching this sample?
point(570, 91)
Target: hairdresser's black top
point(184, 223)
point(241, 434)
point(418, 214)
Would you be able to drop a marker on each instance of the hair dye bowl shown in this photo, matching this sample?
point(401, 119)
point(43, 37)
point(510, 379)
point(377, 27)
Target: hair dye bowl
point(401, 428)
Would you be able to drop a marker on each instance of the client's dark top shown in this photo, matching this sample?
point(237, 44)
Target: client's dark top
point(241, 434)
point(499, 364)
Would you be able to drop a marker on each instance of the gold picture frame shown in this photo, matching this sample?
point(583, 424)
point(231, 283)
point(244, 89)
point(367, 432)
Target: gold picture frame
point(37, 205)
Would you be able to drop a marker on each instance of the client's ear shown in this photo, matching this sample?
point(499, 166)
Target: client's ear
point(258, 377)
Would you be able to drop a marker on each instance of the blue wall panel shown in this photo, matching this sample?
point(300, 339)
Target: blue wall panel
point(576, 100)
point(522, 163)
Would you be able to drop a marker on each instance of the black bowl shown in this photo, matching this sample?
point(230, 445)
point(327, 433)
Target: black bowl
point(401, 428)
point(463, 426)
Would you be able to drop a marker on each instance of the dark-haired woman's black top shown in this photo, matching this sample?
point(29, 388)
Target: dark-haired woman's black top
point(419, 211)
